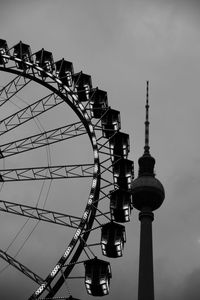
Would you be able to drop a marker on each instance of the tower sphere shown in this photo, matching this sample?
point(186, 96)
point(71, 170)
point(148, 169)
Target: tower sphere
point(147, 193)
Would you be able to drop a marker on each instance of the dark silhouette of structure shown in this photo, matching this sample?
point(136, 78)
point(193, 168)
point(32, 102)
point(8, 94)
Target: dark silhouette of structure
point(148, 195)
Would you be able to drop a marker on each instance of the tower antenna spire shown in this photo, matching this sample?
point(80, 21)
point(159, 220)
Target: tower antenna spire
point(147, 147)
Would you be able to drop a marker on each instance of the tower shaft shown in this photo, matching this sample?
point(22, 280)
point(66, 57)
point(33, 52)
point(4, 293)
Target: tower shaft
point(146, 281)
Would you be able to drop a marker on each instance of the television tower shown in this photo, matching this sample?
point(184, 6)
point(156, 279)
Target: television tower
point(148, 195)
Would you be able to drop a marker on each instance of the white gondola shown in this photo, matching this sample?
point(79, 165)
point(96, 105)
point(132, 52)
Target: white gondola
point(97, 277)
point(44, 60)
point(120, 205)
point(82, 85)
point(23, 52)
point(111, 123)
point(113, 237)
point(119, 146)
point(64, 71)
point(123, 173)
point(98, 103)
point(3, 50)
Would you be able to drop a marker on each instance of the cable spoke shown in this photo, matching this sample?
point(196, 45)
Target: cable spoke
point(26, 271)
point(39, 214)
point(52, 172)
point(29, 112)
point(42, 139)
point(12, 88)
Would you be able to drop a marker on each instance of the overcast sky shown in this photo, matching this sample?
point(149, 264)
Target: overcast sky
point(123, 43)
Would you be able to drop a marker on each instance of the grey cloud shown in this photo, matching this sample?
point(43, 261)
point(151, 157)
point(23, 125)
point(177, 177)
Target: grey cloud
point(121, 44)
point(191, 285)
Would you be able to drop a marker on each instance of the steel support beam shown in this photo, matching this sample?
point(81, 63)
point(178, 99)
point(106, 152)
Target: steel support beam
point(42, 173)
point(23, 269)
point(12, 88)
point(42, 139)
point(39, 214)
point(29, 112)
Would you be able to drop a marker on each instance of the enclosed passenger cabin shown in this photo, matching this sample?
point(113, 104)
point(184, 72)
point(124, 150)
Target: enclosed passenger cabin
point(82, 84)
point(64, 71)
point(97, 277)
point(123, 173)
point(44, 60)
point(110, 123)
point(120, 206)
point(23, 52)
point(113, 237)
point(119, 146)
point(98, 103)
point(3, 50)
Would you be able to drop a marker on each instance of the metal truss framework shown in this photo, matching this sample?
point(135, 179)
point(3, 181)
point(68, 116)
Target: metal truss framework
point(39, 214)
point(12, 88)
point(42, 139)
point(17, 265)
point(43, 173)
point(29, 112)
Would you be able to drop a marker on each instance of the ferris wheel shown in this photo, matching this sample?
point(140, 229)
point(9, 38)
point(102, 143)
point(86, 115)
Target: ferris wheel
point(64, 164)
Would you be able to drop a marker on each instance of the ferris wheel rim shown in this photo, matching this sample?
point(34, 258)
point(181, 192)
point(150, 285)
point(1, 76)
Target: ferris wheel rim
point(87, 217)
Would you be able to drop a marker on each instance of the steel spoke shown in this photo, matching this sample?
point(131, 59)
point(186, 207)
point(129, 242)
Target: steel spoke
point(12, 88)
point(29, 112)
point(50, 172)
point(39, 214)
point(16, 264)
point(42, 139)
